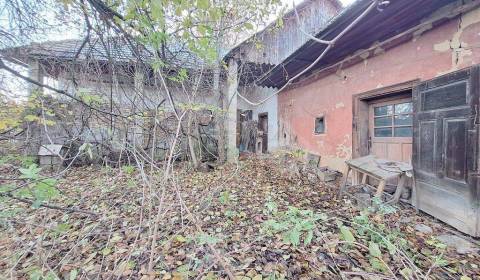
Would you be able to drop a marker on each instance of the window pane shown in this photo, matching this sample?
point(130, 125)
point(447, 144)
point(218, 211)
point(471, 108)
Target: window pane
point(383, 132)
point(319, 125)
point(403, 120)
point(403, 108)
point(404, 131)
point(383, 121)
point(383, 110)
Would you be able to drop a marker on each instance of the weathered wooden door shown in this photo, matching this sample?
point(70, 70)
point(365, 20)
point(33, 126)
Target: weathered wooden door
point(445, 156)
point(391, 129)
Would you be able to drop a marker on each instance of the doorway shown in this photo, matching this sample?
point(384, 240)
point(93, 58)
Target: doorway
point(383, 125)
point(382, 122)
point(263, 127)
point(391, 129)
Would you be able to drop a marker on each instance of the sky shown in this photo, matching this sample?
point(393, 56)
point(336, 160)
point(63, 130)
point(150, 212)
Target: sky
point(344, 2)
point(347, 2)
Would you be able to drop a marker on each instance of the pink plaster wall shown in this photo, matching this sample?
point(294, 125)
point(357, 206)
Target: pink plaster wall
point(425, 57)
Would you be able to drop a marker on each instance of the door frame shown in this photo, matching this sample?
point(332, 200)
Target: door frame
point(265, 136)
point(361, 112)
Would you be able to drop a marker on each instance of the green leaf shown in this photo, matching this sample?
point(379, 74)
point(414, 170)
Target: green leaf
point(157, 10)
point(180, 238)
point(203, 4)
point(204, 238)
point(249, 26)
point(374, 250)
point(407, 273)
point(308, 238)
point(378, 265)
point(116, 238)
point(51, 276)
point(106, 251)
point(30, 173)
point(6, 188)
point(36, 204)
point(294, 237)
point(45, 190)
point(347, 234)
point(35, 274)
point(391, 248)
point(465, 278)
point(31, 118)
point(73, 274)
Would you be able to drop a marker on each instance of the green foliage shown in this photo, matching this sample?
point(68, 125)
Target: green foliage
point(374, 250)
point(299, 153)
point(60, 229)
point(378, 233)
point(199, 107)
point(377, 264)
point(89, 98)
point(347, 234)
point(293, 225)
point(73, 274)
point(271, 206)
point(181, 76)
point(436, 243)
point(18, 160)
point(200, 24)
point(128, 169)
point(36, 273)
point(40, 188)
point(32, 172)
point(10, 115)
point(203, 238)
point(224, 197)
point(440, 261)
point(379, 207)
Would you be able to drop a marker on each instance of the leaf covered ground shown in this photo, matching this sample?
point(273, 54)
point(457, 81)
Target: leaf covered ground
point(256, 219)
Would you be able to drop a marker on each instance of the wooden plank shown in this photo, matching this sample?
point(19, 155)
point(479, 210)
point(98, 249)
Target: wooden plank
point(380, 188)
point(344, 185)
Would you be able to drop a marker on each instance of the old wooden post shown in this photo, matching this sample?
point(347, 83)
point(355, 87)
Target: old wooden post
point(231, 120)
point(139, 85)
point(34, 131)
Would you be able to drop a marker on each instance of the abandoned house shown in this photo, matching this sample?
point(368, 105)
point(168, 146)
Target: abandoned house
point(403, 85)
point(261, 52)
point(106, 69)
point(86, 69)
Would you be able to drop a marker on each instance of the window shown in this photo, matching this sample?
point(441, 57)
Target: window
point(393, 120)
point(319, 125)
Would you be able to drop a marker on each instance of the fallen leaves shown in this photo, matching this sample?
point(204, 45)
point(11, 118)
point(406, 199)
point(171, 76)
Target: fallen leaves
point(232, 205)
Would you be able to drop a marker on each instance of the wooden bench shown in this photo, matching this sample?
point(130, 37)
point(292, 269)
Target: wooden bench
point(381, 170)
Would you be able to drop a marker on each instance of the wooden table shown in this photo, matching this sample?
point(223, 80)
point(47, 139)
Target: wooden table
point(381, 170)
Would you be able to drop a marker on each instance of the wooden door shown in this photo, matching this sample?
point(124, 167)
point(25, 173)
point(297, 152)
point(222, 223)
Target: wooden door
point(445, 148)
point(263, 125)
point(391, 129)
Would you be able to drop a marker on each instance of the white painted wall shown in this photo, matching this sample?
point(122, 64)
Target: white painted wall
point(270, 107)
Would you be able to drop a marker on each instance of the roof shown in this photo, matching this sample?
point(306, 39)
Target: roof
point(378, 26)
point(289, 14)
point(50, 150)
point(115, 49)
